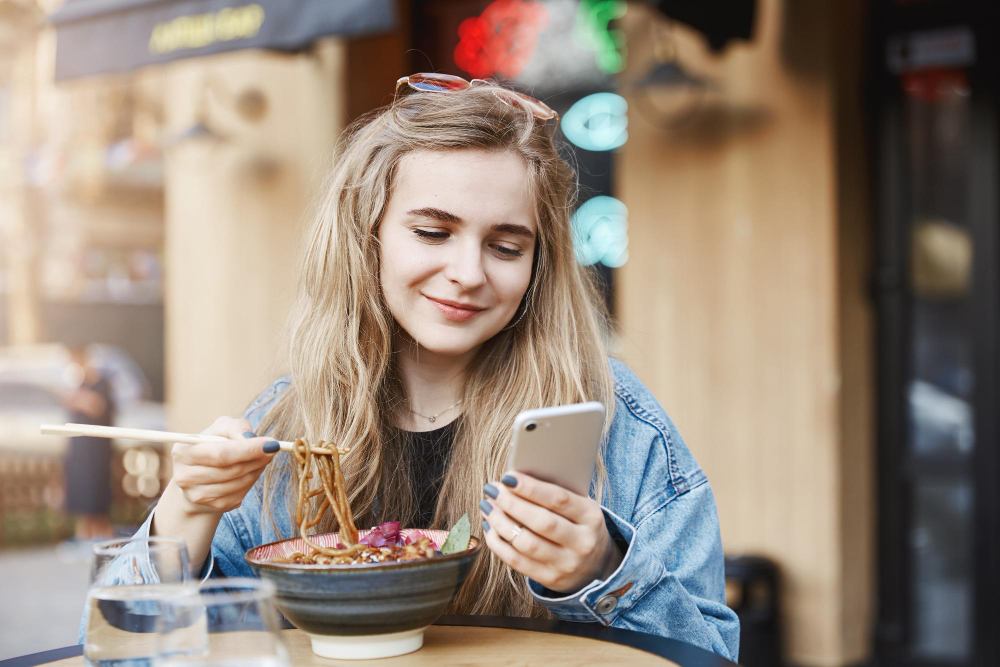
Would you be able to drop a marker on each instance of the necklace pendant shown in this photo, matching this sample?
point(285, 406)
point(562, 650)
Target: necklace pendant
point(432, 418)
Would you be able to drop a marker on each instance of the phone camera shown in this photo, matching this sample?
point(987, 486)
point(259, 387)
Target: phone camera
point(530, 426)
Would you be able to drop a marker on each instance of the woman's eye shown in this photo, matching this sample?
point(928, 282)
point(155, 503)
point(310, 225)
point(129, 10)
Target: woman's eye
point(427, 234)
point(504, 250)
point(436, 235)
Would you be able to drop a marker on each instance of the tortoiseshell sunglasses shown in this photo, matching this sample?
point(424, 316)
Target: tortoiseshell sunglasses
point(446, 83)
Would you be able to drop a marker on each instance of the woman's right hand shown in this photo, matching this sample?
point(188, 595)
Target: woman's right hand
point(214, 477)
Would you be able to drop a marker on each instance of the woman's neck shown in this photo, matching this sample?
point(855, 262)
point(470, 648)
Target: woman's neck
point(433, 384)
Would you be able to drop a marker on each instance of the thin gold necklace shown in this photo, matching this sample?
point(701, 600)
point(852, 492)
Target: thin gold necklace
point(432, 418)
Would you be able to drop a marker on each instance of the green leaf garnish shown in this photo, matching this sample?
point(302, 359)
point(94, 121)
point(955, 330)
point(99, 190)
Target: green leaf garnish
point(458, 536)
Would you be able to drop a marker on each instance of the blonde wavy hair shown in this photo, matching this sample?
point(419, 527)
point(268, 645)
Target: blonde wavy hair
point(345, 383)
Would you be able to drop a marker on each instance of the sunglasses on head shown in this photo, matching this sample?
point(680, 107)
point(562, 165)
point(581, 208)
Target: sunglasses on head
point(446, 83)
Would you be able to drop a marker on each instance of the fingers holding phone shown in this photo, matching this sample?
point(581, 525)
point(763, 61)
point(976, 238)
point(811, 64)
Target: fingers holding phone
point(540, 519)
point(548, 533)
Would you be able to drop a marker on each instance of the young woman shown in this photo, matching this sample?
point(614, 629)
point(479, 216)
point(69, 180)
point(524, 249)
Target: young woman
point(440, 297)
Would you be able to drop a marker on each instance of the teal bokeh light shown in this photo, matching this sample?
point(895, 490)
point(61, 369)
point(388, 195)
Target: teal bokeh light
point(597, 122)
point(600, 232)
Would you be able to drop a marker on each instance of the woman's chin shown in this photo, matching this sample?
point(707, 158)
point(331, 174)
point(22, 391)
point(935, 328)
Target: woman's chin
point(445, 350)
point(447, 344)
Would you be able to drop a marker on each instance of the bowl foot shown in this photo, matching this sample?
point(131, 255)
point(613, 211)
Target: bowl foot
point(367, 647)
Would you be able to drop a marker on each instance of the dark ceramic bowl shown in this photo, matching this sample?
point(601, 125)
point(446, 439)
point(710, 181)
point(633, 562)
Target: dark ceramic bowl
point(354, 612)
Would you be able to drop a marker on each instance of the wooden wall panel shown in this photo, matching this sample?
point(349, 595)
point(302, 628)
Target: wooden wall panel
point(730, 301)
point(232, 228)
point(856, 345)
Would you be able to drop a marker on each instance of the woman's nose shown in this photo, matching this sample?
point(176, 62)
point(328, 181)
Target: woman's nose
point(465, 266)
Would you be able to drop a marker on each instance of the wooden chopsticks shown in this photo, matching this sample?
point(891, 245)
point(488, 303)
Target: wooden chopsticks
point(154, 436)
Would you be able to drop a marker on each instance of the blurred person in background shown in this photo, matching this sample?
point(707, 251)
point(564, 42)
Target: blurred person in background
point(88, 459)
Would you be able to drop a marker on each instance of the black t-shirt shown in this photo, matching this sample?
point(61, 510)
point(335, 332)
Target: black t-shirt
point(429, 453)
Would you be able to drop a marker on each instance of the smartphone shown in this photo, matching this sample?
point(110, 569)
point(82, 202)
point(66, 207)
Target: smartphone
point(558, 444)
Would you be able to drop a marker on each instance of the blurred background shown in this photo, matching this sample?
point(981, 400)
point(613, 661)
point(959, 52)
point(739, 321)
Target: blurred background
point(792, 204)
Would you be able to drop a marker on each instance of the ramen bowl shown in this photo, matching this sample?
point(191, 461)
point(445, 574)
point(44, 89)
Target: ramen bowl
point(357, 612)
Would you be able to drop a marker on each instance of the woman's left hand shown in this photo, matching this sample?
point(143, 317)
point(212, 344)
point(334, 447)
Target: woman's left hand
point(553, 536)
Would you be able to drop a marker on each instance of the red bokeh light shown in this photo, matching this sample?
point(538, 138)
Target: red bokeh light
point(501, 40)
point(934, 85)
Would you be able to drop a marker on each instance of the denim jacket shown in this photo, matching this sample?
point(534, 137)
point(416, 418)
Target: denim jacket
point(659, 509)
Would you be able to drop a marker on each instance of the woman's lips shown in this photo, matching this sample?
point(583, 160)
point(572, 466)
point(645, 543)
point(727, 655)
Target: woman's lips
point(453, 311)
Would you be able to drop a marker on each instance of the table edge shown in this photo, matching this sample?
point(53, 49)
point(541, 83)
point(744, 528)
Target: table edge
point(684, 654)
point(42, 657)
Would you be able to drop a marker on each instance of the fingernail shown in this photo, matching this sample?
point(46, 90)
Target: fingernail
point(486, 527)
point(491, 491)
point(509, 480)
point(271, 447)
point(486, 507)
point(249, 434)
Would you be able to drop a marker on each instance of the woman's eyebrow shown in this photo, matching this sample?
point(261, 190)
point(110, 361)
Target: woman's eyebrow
point(511, 228)
point(445, 216)
point(436, 214)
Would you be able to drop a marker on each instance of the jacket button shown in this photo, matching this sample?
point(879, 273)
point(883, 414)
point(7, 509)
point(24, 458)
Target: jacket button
point(607, 604)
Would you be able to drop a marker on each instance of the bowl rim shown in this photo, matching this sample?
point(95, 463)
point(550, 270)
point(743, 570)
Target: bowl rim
point(475, 546)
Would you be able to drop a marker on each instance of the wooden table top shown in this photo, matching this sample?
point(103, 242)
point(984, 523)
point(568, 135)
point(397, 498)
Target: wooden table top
point(487, 640)
point(453, 645)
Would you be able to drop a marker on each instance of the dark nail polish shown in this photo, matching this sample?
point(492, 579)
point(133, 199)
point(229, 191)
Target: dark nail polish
point(491, 491)
point(249, 434)
point(509, 480)
point(271, 447)
point(486, 527)
point(486, 507)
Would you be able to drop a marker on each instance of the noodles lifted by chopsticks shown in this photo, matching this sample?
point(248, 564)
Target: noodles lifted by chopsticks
point(334, 492)
point(326, 462)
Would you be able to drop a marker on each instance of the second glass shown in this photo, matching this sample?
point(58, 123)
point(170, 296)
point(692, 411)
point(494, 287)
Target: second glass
point(226, 622)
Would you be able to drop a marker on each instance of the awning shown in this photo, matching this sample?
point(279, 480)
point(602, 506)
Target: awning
point(105, 36)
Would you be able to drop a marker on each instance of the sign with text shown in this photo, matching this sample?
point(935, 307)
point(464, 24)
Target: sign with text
point(103, 37)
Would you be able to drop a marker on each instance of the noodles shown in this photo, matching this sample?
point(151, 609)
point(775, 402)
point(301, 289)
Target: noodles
point(326, 462)
point(333, 488)
point(422, 548)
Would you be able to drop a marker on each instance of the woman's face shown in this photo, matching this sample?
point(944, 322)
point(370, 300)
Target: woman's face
point(457, 243)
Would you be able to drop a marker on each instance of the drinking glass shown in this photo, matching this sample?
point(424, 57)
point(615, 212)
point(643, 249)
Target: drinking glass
point(227, 622)
point(129, 580)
